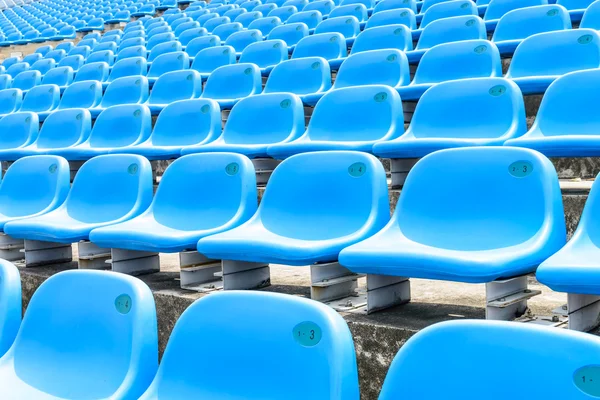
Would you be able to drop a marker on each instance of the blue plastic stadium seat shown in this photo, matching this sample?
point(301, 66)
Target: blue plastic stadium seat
point(448, 9)
point(211, 58)
point(290, 33)
point(31, 58)
point(127, 67)
point(9, 62)
point(323, 6)
point(348, 26)
point(359, 11)
point(159, 38)
point(283, 13)
point(84, 94)
point(213, 23)
point(205, 17)
point(189, 34)
point(131, 42)
point(265, 24)
point(97, 71)
point(103, 46)
point(43, 50)
point(541, 58)
point(291, 228)
point(497, 8)
point(250, 5)
point(225, 30)
point(103, 345)
point(479, 235)
point(330, 46)
point(5, 81)
point(446, 30)
point(18, 130)
point(147, 9)
point(310, 18)
point(75, 62)
point(174, 86)
point(240, 40)
point(521, 23)
point(43, 65)
point(374, 67)
point(565, 126)
point(383, 37)
point(384, 5)
point(265, 54)
point(268, 319)
point(126, 90)
point(10, 279)
point(91, 43)
point(509, 344)
point(115, 127)
point(167, 227)
point(27, 79)
point(229, 83)
point(58, 54)
point(105, 56)
point(182, 123)
point(17, 68)
point(168, 62)
point(41, 99)
point(402, 16)
point(133, 51)
point(496, 113)
point(451, 61)
point(256, 122)
point(266, 8)
point(307, 77)
point(61, 128)
point(337, 122)
point(84, 51)
point(200, 43)
point(10, 100)
point(591, 17)
point(299, 4)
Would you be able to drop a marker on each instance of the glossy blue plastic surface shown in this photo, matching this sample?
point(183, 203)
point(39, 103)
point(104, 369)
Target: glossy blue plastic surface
point(566, 124)
point(190, 34)
point(290, 33)
point(5, 81)
point(402, 16)
point(225, 30)
point(497, 8)
point(256, 122)
point(310, 18)
point(283, 13)
point(133, 51)
point(591, 17)
point(383, 37)
point(15, 69)
point(168, 62)
point(522, 348)
point(374, 67)
point(459, 219)
point(348, 26)
point(27, 79)
point(85, 94)
point(246, 18)
point(307, 77)
point(352, 118)
point(265, 24)
point(10, 100)
point(61, 76)
point(265, 54)
point(41, 99)
point(75, 62)
point(359, 11)
point(448, 9)
point(543, 57)
point(293, 226)
point(164, 48)
point(450, 61)
point(107, 189)
point(240, 40)
point(97, 71)
point(105, 56)
point(229, 83)
point(261, 322)
point(128, 67)
point(440, 120)
point(174, 86)
point(182, 212)
point(10, 304)
point(519, 24)
point(211, 58)
point(323, 6)
point(43, 66)
point(453, 29)
point(159, 38)
point(330, 46)
point(127, 90)
point(87, 350)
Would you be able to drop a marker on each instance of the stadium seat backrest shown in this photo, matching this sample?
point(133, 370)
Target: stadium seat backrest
point(225, 30)
point(559, 373)
point(234, 13)
point(105, 342)
point(240, 40)
point(47, 183)
point(17, 68)
point(102, 46)
point(18, 129)
point(184, 27)
point(91, 43)
point(556, 53)
point(5, 81)
point(233, 82)
point(524, 22)
point(300, 76)
point(10, 302)
point(265, 54)
point(269, 118)
point(591, 17)
point(64, 128)
point(457, 60)
point(327, 45)
point(84, 94)
point(105, 56)
point(44, 65)
point(61, 76)
point(176, 85)
point(74, 62)
point(10, 100)
point(169, 62)
point(33, 57)
point(265, 24)
point(133, 51)
point(126, 90)
point(133, 41)
point(359, 11)
point(209, 59)
point(310, 18)
point(296, 331)
point(41, 98)
point(84, 51)
point(348, 26)
point(97, 71)
point(10, 61)
point(120, 126)
point(452, 29)
point(290, 33)
point(447, 9)
point(385, 5)
point(190, 34)
point(383, 37)
point(129, 67)
point(201, 43)
point(497, 8)
point(212, 23)
point(323, 6)
point(374, 67)
point(283, 13)
point(159, 38)
point(27, 79)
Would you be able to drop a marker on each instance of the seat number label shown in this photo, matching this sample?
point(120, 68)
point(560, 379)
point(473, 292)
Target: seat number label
point(520, 169)
point(587, 379)
point(307, 333)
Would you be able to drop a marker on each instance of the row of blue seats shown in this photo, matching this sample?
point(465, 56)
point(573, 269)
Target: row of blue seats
point(272, 124)
point(105, 344)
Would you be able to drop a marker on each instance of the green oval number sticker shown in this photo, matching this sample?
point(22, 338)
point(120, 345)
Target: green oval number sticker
point(333, 38)
point(379, 97)
point(480, 49)
point(398, 31)
point(307, 333)
point(123, 304)
point(248, 71)
point(404, 13)
point(470, 22)
point(552, 13)
point(316, 65)
point(587, 379)
point(497, 90)
point(299, 28)
point(348, 21)
point(520, 169)
point(132, 169)
point(204, 109)
point(357, 169)
point(285, 103)
point(232, 168)
point(391, 58)
point(52, 168)
point(464, 5)
point(585, 39)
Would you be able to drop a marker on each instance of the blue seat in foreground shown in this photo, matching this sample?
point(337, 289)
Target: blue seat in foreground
point(456, 220)
point(567, 124)
point(305, 333)
point(338, 121)
point(292, 228)
point(230, 83)
point(10, 304)
point(182, 212)
point(496, 114)
point(543, 57)
point(453, 348)
point(104, 345)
